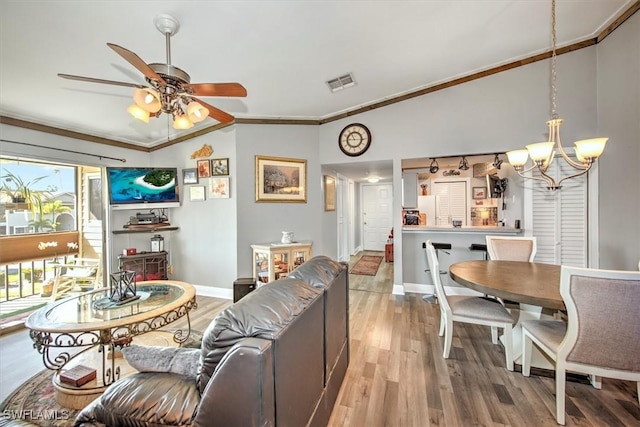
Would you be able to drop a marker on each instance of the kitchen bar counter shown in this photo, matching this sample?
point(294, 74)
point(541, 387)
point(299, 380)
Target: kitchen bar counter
point(484, 230)
point(414, 259)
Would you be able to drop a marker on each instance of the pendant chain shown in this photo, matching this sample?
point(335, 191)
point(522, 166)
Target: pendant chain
point(554, 107)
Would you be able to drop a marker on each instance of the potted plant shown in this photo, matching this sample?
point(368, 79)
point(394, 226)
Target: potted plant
point(17, 189)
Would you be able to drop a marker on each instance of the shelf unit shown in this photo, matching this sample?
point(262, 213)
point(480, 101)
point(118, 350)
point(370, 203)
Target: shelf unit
point(147, 265)
point(273, 261)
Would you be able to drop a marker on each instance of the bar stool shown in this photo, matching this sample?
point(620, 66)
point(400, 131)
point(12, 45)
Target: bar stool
point(444, 247)
point(479, 247)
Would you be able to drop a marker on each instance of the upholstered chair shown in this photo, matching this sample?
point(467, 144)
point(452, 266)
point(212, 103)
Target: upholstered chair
point(509, 248)
point(469, 309)
point(601, 335)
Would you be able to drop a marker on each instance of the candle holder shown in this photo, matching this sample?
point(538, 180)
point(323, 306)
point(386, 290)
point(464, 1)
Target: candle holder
point(122, 287)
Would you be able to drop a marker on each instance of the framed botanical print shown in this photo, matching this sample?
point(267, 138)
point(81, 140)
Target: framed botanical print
point(219, 167)
point(219, 188)
point(204, 168)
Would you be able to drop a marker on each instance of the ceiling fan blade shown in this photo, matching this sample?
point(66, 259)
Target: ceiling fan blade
point(135, 60)
point(217, 89)
point(217, 113)
point(103, 81)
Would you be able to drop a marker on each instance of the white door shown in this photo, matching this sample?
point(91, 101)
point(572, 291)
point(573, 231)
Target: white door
point(377, 212)
point(560, 220)
point(451, 201)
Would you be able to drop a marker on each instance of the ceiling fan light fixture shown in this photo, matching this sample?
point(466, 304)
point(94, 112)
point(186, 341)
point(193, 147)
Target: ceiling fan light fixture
point(138, 113)
point(196, 112)
point(147, 99)
point(182, 122)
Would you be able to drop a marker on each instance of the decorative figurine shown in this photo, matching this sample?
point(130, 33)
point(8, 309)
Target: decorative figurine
point(122, 287)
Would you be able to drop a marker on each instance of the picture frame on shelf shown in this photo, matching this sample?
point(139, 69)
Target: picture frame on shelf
point(197, 193)
point(329, 193)
point(479, 193)
point(219, 167)
point(204, 168)
point(219, 188)
point(281, 179)
point(190, 176)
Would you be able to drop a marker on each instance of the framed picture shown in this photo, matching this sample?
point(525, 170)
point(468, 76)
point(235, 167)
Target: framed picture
point(479, 192)
point(280, 179)
point(196, 193)
point(219, 167)
point(204, 168)
point(190, 176)
point(329, 193)
point(219, 188)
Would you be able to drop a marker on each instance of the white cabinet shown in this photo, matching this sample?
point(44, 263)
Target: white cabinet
point(409, 189)
point(273, 261)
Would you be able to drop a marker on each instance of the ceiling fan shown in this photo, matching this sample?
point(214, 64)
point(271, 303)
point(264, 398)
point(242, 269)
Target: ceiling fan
point(170, 89)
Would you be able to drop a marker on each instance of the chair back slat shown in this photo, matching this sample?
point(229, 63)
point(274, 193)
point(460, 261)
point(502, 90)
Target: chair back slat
point(434, 268)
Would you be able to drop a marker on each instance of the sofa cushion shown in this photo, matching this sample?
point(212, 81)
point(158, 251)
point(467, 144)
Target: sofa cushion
point(263, 313)
point(319, 271)
point(183, 361)
point(145, 399)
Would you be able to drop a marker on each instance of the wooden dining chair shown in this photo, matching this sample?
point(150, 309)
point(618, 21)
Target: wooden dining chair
point(511, 248)
point(469, 309)
point(601, 335)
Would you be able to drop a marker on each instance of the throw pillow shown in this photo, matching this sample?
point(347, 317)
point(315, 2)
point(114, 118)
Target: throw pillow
point(183, 361)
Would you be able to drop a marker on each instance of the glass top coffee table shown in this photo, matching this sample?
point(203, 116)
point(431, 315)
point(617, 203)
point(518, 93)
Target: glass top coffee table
point(88, 329)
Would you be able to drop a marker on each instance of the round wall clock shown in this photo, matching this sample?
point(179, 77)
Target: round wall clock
point(354, 139)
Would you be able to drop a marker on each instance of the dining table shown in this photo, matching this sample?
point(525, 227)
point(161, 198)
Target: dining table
point(535, 287)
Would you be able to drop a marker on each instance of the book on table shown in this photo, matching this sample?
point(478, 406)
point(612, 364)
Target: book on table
point(78, 375)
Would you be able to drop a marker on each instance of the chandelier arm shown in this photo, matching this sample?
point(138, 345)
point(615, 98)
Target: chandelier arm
point(535, 178)
point(551, 183)
point(571, 162)
point(582, 172)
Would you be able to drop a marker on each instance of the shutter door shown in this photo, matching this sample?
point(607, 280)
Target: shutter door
point(560, 220)
point(451, 201)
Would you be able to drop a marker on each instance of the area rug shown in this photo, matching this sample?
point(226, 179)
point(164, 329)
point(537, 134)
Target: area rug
point(34, 402)
point(367, 265)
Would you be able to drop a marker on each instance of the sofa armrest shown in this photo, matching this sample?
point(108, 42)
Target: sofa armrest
point(241, 390)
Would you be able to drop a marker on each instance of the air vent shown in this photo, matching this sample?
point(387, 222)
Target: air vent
point(341, 82)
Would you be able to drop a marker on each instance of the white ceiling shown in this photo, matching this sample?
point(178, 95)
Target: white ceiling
point(283, 52)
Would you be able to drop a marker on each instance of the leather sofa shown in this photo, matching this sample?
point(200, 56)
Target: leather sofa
point(277, 357)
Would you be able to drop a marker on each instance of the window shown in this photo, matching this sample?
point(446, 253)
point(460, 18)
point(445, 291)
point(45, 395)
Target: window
point(37, 197)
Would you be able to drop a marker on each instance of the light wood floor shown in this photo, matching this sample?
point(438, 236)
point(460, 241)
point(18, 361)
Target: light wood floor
point(381, 282)
point(397, 376)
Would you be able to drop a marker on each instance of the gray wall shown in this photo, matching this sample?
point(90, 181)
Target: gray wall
point(619, 171)
point(598, 93)
point(264, 222)
point(203, 250)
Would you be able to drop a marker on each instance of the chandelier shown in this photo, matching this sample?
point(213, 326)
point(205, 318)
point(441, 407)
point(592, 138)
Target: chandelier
point(542, 154)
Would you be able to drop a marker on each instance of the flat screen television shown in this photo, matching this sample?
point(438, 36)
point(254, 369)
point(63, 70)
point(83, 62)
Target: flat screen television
point(143, 187)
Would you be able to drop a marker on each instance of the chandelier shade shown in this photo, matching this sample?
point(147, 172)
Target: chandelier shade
point(196, 112)
point(138, 113)
point(147, 99)
point(182, 122)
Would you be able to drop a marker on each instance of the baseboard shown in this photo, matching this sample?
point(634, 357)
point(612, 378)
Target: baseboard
point(398, 290)
point(209, 291)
